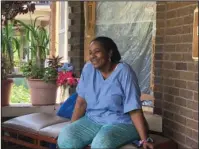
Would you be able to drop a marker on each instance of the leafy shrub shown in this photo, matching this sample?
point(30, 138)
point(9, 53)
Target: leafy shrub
point(20, 94)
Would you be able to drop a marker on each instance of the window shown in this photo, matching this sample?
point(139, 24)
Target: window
point(62, 28)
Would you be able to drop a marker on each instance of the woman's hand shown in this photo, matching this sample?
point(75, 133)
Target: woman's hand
point(148, 145)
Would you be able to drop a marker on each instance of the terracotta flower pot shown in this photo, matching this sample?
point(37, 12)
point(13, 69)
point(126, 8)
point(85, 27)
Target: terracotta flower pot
point(42, 93)
point(6, 86)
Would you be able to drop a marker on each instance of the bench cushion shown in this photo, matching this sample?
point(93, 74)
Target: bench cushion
point(53, 130)
point(33, 122)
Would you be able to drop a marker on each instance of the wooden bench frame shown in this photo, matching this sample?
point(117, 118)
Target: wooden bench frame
point(38, 138)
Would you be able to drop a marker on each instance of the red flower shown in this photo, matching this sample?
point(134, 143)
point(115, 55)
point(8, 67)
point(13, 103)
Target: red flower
point(66, 78)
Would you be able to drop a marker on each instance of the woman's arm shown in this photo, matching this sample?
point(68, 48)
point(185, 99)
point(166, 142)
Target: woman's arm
point(140, 123)
point(80, 109)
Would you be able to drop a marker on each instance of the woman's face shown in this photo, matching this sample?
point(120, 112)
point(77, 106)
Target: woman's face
point(97, 55)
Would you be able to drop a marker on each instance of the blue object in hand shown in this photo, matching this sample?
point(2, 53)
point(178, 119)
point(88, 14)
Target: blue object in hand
point(66, 109)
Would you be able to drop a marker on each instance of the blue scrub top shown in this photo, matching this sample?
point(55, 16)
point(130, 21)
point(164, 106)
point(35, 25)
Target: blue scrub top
point(109, 100)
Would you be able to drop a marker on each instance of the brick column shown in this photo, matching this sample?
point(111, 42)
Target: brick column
point(76, 30)
point(176, 73)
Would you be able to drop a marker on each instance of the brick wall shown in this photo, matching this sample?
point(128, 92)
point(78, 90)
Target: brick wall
point(76, 40)
point(176, 74)
point(76, 30)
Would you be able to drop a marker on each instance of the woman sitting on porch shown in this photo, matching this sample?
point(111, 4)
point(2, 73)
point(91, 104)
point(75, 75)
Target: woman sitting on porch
point(108, 111)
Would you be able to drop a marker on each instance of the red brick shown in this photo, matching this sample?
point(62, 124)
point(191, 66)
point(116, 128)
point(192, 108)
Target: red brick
point(186, 94)
point(161, 7)
point(169, 98)
point(187, 38)
point(192, 105)
point(157, 80)
point(170, 107)
point(158, 72)
point(181, 66)
point(195, 135)
point(160, 23)
point(169, 82)
point(158, 64)
point(196, 96)
point(192, 86)
point(173, 39)
point(193, 66)
point(167, 122)
point(172, 5)
point(186, 112)
point(180, 101)
point(170, 74)
point(167, 131)
point(168, 115)
point(158, 95)
point(184, 11)
point(191, 143)
point(187, 76)
point(160, 15)
point(184, 47)
point(176, 57)
point(179, 137)
point(187, 29)
point(180, 119)
point(187, 57)
point(159, 40)
point(195, 116)
point(158, 88)
point(158, 56)
point(171, 14)
point(174, 30)
point(171, 22)
point(192, 124)
point(160, 32)
point(158, 48)
point(166, 56)
point(171, 90)
point(169, 65)
point(189, 132)
point(180, 83)
point(169, 48)
point(196, 76)
point(179, 21)
point(179, 128)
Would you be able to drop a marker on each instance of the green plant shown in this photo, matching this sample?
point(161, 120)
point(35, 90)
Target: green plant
point(47, 74)
point(39, 41)
point(20, 94)
point(9, 45)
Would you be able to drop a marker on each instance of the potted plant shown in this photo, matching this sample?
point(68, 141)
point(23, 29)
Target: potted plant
point(9, 45)
point(41, 79)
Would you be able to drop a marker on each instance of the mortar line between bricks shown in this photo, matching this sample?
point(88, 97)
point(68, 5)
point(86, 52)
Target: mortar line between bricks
point(181, 132)
point(181, 7)
point(174, 119)
point(178, 70)
point(179, 107)
point(180, 88)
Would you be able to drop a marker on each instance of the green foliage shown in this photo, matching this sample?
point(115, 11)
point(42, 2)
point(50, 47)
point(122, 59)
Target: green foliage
point(50, 74)
point(9, 45)
point(32, 71)
point(39, 41)
point(20, 94)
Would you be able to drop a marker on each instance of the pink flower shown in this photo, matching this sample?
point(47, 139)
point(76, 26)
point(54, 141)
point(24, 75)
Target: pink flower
point(66, 78)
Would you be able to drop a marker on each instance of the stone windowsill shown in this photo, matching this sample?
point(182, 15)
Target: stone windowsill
point(19, 109)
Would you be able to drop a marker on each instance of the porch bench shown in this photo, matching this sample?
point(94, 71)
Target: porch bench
point(42, 127)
